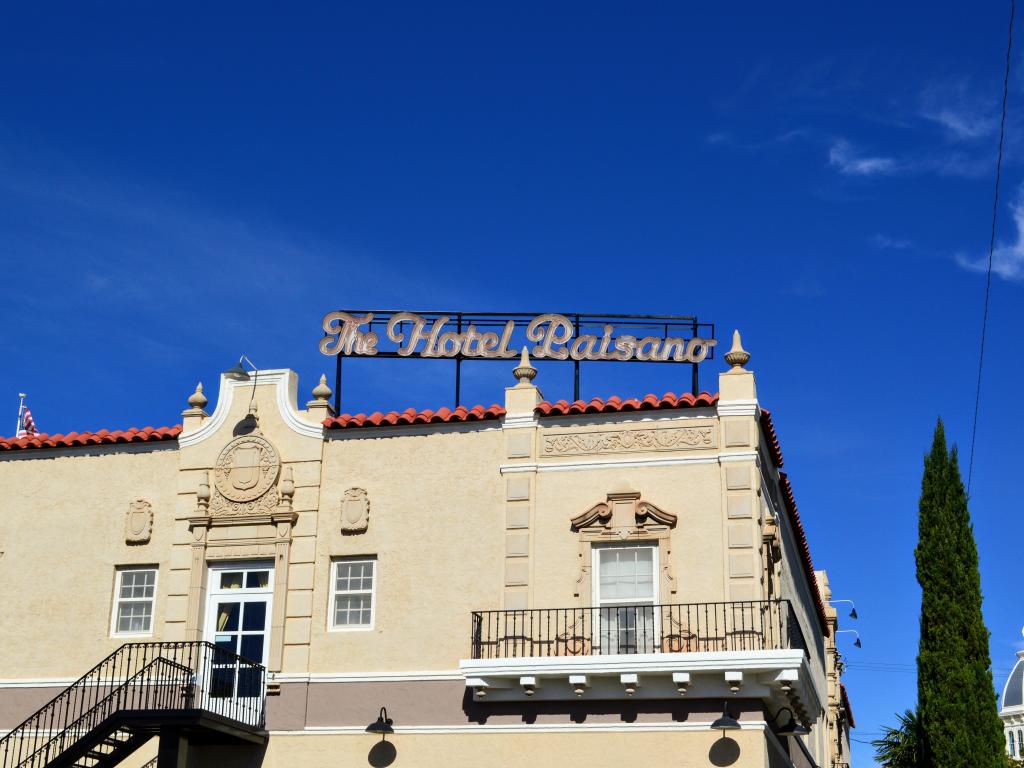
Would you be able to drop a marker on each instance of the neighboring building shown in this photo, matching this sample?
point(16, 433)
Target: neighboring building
point(537, 582)
point(1011, 709)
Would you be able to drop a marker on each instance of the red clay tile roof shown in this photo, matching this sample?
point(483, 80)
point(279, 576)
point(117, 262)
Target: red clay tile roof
point(103, 437)
point(846, 705)
point(773, 441)
point(805, 551)
point(617, 405)
point(411, 416)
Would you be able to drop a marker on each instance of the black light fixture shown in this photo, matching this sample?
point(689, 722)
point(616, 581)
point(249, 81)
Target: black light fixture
point(853, 608)
point(791, 727)
point(726, 722)
point(856, 643)
point(237, 373)
point(382, 724)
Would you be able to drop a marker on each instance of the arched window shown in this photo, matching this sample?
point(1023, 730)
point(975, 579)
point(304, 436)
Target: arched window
point(1011, 744)
point(1020, 742)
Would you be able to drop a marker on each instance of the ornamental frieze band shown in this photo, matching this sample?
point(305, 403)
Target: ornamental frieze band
point(629, 440)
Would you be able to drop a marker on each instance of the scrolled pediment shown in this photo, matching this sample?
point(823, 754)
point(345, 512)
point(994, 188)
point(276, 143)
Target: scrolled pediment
point(599, 514)
point(623, 510)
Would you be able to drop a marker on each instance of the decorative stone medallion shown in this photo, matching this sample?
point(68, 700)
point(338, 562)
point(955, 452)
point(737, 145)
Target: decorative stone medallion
point(244, 477)
point(138, 523)
point(355, 511)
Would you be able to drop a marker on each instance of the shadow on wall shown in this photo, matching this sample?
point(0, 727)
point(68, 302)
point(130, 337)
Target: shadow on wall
point(226, 756)
point(725, 751)
point(382, 753)
point(618, 710)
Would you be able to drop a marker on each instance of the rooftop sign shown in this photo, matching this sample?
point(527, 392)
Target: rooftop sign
point(568, 337)
point(554, 337)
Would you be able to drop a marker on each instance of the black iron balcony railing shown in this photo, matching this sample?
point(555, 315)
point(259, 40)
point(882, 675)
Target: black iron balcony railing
point(138, 678)
point(757, 625)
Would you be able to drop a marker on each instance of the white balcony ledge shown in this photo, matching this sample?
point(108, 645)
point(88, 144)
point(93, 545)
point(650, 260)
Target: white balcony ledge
point(779, 677)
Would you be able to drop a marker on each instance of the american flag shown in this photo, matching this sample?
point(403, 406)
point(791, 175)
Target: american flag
point(26, 424)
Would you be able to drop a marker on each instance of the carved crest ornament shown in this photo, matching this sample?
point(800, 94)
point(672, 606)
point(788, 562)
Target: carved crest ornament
point(355, 511)
point(245, 476)
point(138, 523)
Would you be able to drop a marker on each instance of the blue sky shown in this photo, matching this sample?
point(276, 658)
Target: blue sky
point(179, 185)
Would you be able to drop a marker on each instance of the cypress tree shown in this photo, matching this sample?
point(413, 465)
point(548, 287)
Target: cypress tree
point(960, 724)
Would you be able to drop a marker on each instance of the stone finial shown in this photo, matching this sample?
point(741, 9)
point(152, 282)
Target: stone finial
point(524, 372)
point(321, 391)
point(737, 357)
point(203, 493)
point(320, 406)
point(197, 399)
point(287, 486)
point(192, 417)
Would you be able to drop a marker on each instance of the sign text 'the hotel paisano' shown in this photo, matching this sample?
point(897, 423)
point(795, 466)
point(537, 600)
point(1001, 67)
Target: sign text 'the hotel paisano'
point(554, 336)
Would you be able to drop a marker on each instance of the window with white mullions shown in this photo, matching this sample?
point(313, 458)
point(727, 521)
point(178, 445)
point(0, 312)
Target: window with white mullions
point(353, 587)
point(625, 593)
point(238, 624)
point(134, 598)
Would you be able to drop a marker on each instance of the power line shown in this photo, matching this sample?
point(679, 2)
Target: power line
point(991, 245)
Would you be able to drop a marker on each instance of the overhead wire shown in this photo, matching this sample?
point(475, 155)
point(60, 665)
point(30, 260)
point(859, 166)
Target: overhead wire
point(991, 245)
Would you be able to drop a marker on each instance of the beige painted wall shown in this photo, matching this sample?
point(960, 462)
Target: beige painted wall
point(63, 535)
point(436, 527)
point(650, 749)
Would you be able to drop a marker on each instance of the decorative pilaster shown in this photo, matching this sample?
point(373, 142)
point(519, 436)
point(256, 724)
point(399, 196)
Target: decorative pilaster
point(520, 426)
point(198, 527)
point(742, 535)
point(284, 519)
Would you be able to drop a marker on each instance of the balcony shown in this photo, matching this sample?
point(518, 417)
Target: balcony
point(763, 625)
point(750, 648)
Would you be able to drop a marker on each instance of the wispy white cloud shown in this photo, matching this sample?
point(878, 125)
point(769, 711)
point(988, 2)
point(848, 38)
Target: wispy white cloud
point(889, 243)
point(847, 160)
point(726, 139)
point(1008, 258)
point(959, 110)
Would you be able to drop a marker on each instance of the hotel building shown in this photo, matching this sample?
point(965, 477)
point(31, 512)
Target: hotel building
point(592, 583)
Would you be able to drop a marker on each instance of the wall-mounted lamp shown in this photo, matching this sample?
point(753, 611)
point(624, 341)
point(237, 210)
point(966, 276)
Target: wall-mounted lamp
point(381, 725)
point(238, 373)
point(853, 608)
point(791, 727)
point(726, 722)
point(856, 642)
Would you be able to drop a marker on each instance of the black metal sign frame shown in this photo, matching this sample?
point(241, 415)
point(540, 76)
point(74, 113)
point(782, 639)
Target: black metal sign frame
point(681, 326)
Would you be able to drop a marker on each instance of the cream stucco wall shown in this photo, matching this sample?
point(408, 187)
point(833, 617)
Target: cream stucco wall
point(63, 534)
point(436, 530)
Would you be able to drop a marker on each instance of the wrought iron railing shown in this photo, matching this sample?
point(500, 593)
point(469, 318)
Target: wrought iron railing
point(140, 678)
point(756, 625)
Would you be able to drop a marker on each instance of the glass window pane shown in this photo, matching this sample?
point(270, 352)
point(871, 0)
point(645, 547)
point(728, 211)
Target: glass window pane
point(231, 580)
point(254, 616)
point(354, 577)
point(227, 617)
point(352, 610)
point(626, 573)
point(134, 616)
point(257, 579)
point(252, 648)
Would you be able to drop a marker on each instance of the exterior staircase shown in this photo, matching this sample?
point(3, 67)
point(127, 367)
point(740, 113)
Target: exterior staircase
point(140, 691)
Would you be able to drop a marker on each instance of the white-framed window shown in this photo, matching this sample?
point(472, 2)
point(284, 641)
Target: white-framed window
point(134, 601)
point(625, 593)
point(353, 593)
